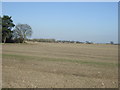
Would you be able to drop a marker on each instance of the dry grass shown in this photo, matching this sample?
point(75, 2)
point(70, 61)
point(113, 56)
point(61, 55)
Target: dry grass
point(60, 65)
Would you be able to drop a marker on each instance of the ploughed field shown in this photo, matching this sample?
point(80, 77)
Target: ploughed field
point(59, 65)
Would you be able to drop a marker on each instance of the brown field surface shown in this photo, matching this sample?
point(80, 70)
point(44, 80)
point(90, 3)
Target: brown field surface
point(59, 65)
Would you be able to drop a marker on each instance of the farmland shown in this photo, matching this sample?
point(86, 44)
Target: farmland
point(59, 65)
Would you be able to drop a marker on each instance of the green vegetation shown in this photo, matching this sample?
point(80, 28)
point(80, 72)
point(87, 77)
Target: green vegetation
point(42, 40)
point(25, 57)
point(19, 34)
point(7, 25)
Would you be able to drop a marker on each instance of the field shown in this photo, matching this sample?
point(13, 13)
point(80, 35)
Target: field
point(59, 65)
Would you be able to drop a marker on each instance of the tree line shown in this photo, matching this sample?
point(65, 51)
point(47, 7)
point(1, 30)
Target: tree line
point(11, 33)
point(66, 41)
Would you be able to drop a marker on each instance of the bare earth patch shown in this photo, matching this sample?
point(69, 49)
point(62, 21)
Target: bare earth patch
point(59, 65)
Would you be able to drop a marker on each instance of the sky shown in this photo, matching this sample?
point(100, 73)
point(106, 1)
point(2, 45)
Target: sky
point(78, 21)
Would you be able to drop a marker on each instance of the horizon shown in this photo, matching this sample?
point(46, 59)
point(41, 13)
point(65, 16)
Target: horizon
point(75, 21)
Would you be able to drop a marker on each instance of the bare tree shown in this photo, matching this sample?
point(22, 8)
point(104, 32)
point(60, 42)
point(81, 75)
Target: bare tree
point(22, 32)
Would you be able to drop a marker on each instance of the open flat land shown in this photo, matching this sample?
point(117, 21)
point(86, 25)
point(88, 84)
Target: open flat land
point(59, 65)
